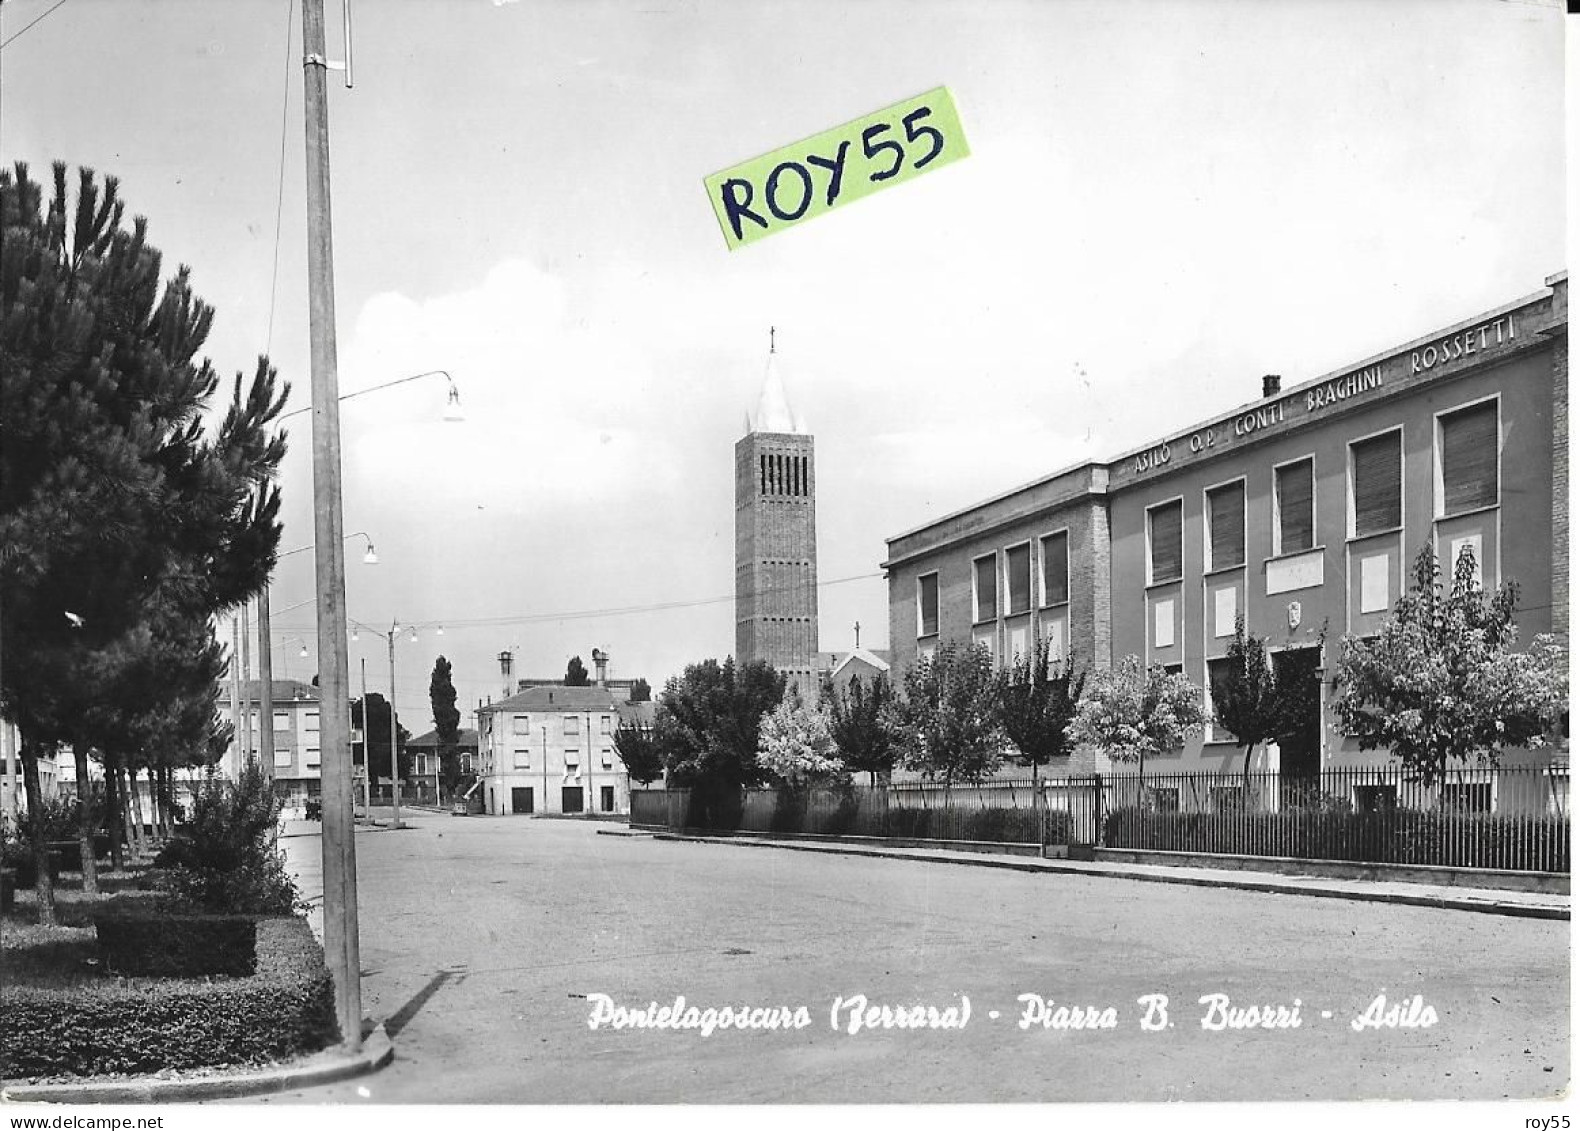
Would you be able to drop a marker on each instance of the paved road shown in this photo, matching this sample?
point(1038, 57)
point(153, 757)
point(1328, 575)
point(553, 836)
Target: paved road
point(485, 939)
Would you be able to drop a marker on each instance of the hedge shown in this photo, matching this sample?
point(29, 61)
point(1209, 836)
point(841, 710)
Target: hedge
point(168, 945)
point(138, 1026)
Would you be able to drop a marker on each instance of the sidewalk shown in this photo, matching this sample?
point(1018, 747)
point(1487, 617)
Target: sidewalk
point(1531, 905)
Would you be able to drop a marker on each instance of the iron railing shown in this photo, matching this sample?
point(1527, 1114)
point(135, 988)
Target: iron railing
point(1514, 817)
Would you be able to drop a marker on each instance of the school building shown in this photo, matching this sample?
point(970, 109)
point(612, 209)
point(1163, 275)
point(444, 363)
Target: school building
point(1301, 511)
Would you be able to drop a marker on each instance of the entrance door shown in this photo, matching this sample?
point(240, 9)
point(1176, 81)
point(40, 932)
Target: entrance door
point(571, 799)
point(1300, 750)
point(606, 798)
point(520, 799)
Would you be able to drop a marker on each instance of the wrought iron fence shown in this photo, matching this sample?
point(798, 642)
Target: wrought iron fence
point(1508, 817)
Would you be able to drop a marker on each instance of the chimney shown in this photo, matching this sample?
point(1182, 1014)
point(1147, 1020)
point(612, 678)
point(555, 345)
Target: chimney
point(506, 660)
point(1271, 383)
point(601, 666)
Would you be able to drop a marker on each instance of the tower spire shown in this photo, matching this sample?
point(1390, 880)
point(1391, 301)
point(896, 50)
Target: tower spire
point(770, 339)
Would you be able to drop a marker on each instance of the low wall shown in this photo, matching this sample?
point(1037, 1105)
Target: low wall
point(1548, 883)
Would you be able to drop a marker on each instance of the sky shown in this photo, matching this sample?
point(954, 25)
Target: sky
point(1163, 201)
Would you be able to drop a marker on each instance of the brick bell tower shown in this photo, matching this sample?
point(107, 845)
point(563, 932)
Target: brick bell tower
point(776, 539)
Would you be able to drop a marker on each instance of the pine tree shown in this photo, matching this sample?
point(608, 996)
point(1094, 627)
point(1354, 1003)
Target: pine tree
point(113, 497)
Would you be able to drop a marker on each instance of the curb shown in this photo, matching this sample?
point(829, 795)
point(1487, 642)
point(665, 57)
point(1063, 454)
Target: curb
point(1408, 899)
point(376, 1052)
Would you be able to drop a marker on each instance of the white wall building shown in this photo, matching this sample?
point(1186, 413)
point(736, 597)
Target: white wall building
point(550, 749)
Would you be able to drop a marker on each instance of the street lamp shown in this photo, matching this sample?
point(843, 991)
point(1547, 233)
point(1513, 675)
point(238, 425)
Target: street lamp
point(395, 630)
point(452, 401)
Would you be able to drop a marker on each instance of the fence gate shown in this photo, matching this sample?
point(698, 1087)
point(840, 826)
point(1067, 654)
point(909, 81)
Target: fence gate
point(1072, 820)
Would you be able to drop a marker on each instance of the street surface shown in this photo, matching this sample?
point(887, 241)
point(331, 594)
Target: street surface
point(486, 940)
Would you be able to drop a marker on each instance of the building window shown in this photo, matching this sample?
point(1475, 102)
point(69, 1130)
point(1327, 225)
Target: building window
point(573, 759)
point(608, 758)
point(520, 724)
point(1017, 578)
point(603, 724)
point(1226, 526)
point(1056, 568)
point(1375, 470)
point(1292, 502)
point(927, 605)
point(1219, 673)
point(522, 759)
point(282, 720)
point(311, 722)
point(1164, 531)
point(1469, 455)
point(1376, 798)
point(985, 579)
point(573, 724)
point(312, 759)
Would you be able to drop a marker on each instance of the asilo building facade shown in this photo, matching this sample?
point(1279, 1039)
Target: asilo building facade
point(1301, 511)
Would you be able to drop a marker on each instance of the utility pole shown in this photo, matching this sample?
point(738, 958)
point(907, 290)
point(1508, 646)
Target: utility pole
point(394, 751)
point(235, 689)
point(247, 749)
point(265, 690)
point(342, 949)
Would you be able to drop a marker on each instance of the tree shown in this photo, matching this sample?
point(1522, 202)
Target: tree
point(1250, 700)
point(1442, 682)
point(945, 721)
point(113, 495)
point(1037, 701)
point(576, 673)
point(796, 743)
point(375, 752)
point(645, 750)
point(446, 722)
point(1131, 712)
point(858, 721)
point(640, 691)
point(715, 711)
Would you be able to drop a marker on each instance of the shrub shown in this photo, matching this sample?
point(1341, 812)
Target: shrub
point(223, 860)
point(164, 945)
point(58, 817)
point(141, 1026)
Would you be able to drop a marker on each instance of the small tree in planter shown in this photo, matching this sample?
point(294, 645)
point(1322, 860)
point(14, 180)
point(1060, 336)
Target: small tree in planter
point(946, 721)
point(1442, 682)
point(1130, 712)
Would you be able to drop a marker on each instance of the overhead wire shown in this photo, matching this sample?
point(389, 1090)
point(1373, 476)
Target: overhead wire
point(9, 40)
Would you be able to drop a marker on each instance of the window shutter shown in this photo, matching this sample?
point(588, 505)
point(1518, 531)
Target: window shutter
point(1226, 510)
point(1470, 458)
point(1294, 508)
point(1017, 567)
point(1055, 569)
point(987, 591)
point(927, 595)
point(1167, 555)
point(1376, 483)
